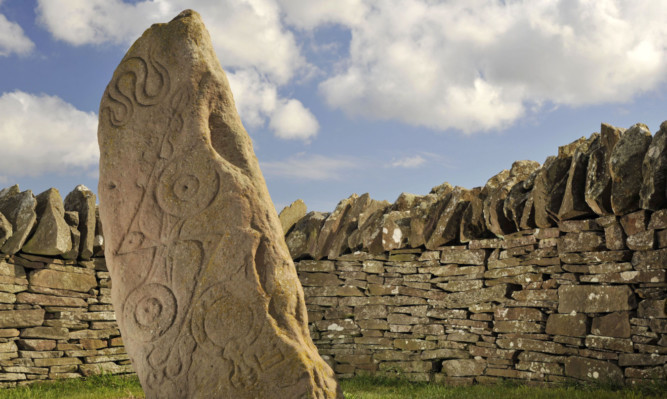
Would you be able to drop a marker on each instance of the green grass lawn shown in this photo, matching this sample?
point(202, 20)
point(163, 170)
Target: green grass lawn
point(117, 387)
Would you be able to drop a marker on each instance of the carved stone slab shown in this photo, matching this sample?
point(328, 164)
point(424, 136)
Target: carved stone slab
point(206, 294)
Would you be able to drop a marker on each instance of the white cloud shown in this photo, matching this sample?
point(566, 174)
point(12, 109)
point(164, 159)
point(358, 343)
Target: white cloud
point(310, 167)
point(291, 120)
point(257, 51)
point(12, 39)
point(309, 14)
point(482, 64)
point(44, 134)
point(409, 162)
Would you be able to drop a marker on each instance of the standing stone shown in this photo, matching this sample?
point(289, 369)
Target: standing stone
point(52, 236)
point(598, 175)
point(208, 300)
point(19, 209)
point(494, 205)
point(6, 229)
point(448, 224)
point(550, 184)
point(302, 239)
point(626, 168)
point(653, 192)
point(82, 200)
point(292, 214)
point(517, 200)
point(574, 200)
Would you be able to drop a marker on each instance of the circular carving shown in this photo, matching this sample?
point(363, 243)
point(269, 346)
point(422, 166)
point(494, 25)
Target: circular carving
point(220, 319)
point(185, 192)
point(150, 311)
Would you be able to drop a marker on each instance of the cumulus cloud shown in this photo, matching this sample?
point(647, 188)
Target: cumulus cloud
point(44, 134)
point(310, 167)
point(482, 64)
point(258, 52)
point(310, 14)
point(12, 38)
point(409, 162)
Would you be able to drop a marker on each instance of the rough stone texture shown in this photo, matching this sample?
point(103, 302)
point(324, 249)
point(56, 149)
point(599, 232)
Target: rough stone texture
point(72, 219)
point(594, 299)
point(615, 324)
point(549, 189)
point(208, 299)
point(494, 205)
point(598, 174)
point(350, 223)
point(6, 229)
point(462, 367)
point(574, 199)
point(82, 201)
point(19, 209)
point(593, 370)
point(331, 226)
point(653, 192)
point(517, 200)
point(80, 282)
point(21, 318)
point(302, 239)
point(448, 224)
point(291, 214)
point(52, 235)
point(472, 221)
point(626, 168)
point(570, 325)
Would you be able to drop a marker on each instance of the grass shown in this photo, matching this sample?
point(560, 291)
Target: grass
point(119, 387)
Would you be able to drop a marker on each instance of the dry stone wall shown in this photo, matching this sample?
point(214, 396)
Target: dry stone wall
point(548, 272)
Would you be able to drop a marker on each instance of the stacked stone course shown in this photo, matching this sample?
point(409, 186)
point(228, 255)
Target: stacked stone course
point(56, 318)
point(545, 274)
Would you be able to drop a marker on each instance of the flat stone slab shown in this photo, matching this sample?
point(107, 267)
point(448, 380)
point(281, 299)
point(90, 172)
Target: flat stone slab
point(208, 300)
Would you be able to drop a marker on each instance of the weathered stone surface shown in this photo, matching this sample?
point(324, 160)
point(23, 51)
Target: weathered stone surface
point(6, 229)
point(472, 221)
point(574, 199)
point(419, 219)
point(331, 226)
point(653, 308)
point(302, 240)
point(395, 229)
point(463, 256)
point(593, 370)
point(72, 220)
point(463, 367)
point(598, 174)
point(570, 325)
point(626, 168)
point(595, 299)
point(615, 324)
point(653, 192)
point(82, 201)
point(658, 220)
point(518, 199)
point(79, 282)
point(449, 222)
point(19, 209)
point(350, 223)
point(21, 318)
point(52, 235)
point(550, 184)
point(208, 299)
point(584, 241)
point(462, 299)
point(494, 204)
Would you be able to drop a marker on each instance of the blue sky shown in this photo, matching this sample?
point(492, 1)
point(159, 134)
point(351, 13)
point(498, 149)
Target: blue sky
point(346, 96)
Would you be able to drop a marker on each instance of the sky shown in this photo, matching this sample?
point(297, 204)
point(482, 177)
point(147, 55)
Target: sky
point(346, 96)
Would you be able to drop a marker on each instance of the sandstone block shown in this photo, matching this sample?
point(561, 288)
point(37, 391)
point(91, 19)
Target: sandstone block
point(209, 299)
point(615, 324)
point(472, 220)
point(463, 299)
point(574, 198)
point(626, 168)
point(21, 318)
point(569, 325)
point(652, 308)
point(463, 367)
point(82, 201)
point(291, 214)
point(581, 242)
point(19, 209)
point(45, 333)
point(463, 256)
point(79, 282)
point(6, 229)
point(52, 235)
point(302, 239)
point(595, 299)
point(449, 222)
point(593, 370)
point(598, 173)
point(653, 191)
